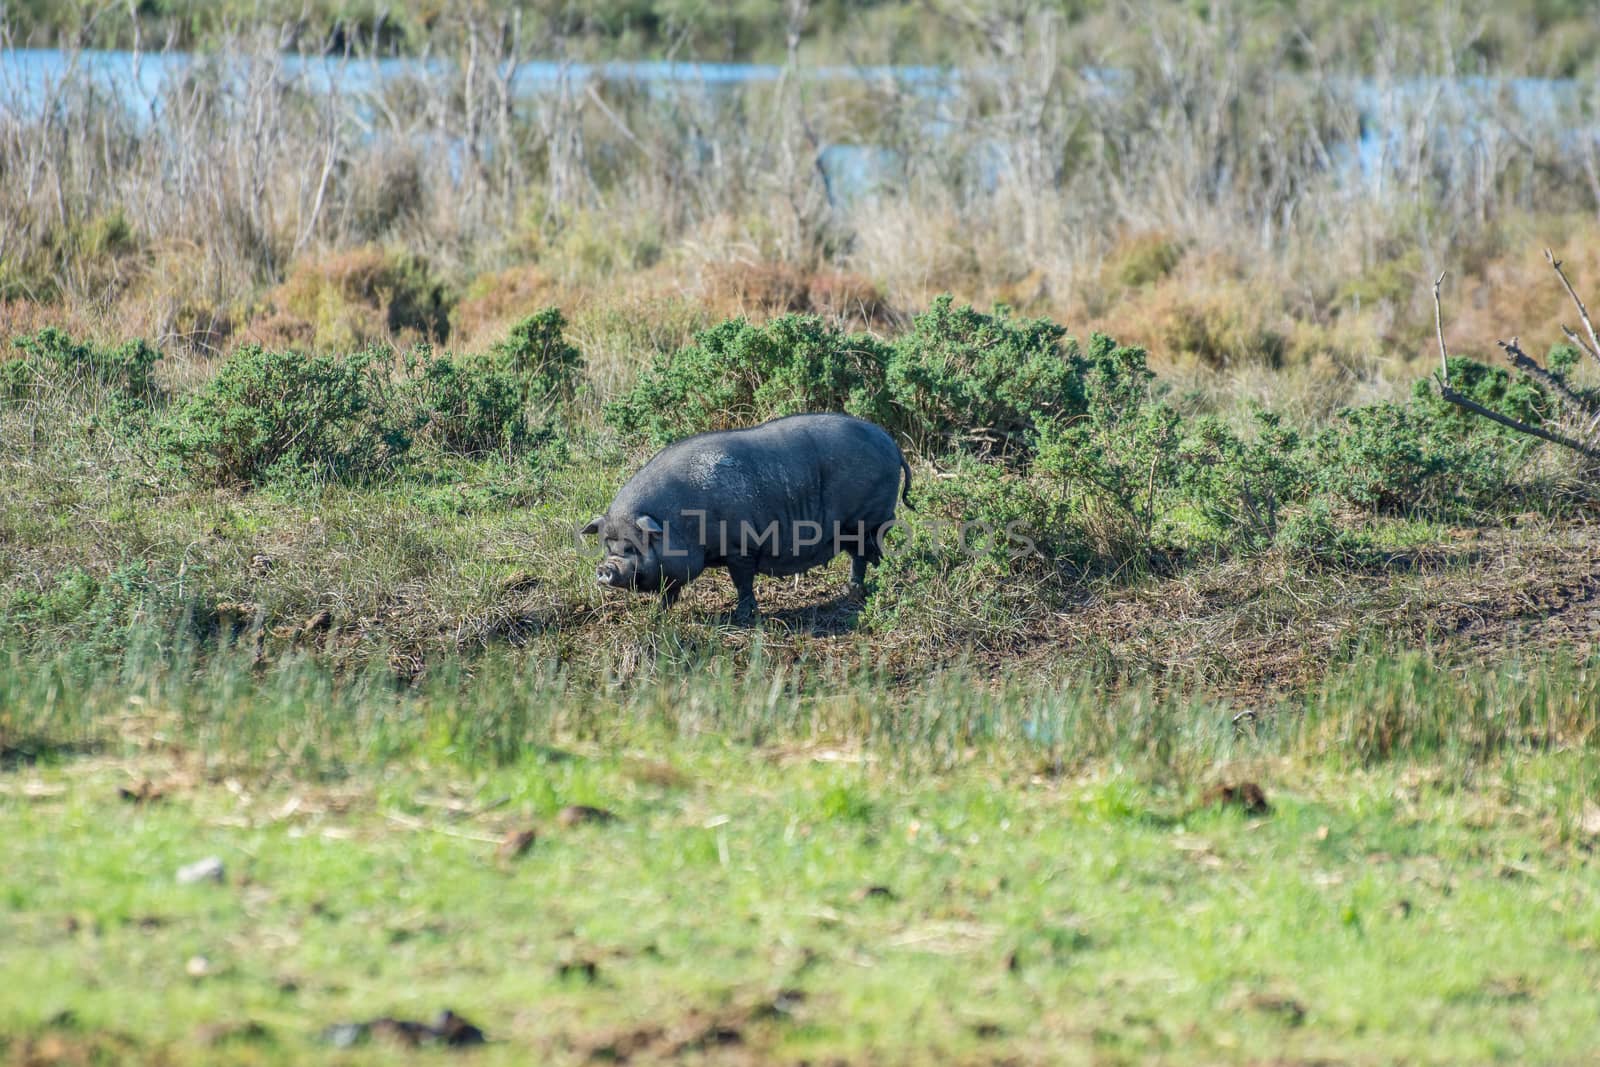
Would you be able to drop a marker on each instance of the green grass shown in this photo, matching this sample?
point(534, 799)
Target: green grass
point(973, 820)
point(1054, 883)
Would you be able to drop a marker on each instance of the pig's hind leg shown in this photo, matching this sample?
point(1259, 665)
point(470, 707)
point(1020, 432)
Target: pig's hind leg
point(744, 582)
point(858, 577)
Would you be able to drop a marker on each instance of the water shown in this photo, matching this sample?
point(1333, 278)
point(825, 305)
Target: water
point(1463, 112)
point(27, 75)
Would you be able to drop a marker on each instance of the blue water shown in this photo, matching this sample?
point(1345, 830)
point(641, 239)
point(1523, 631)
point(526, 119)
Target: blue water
point(27, 74)
point(1463, 110)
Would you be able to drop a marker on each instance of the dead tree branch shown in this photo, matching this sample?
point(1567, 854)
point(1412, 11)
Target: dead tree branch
point(1516, 424)
point(1513, 351)
point(1438, 328)
point(1593, 347)
point(1529, 366)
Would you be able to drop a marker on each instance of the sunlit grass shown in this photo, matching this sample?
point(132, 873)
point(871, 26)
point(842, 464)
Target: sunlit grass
point(957, 871)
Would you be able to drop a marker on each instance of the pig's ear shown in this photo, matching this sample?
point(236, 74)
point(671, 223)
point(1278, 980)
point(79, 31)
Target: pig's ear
point(591, 529)
point(651, 527)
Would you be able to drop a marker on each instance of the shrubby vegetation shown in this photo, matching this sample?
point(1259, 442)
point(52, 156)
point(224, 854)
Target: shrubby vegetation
point(512, 398)
point(270, 415)
point(835, 30)
point(961, 375)
point(50, 361)
point(1035, 429)
point(1042, 464)
point(1085, 448)
point(316, 538)
point(957, 377)
point(738, 373)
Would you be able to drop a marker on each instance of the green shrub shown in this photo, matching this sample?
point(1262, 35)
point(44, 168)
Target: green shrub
point(1405, 458)
point(16, 379)
point(1313, 536)
point(1495, 388)
point(974, 557)
point(957, 371)
point(738, 373)
point(1240, 486)
point(956, 375)
point(467, 405)
point(1562, 358)
point(94, 612)
point(541, 359)
point(508, 399)
point(1119, 458)
point(273, 414)
point(52, 359)
point(998, 515)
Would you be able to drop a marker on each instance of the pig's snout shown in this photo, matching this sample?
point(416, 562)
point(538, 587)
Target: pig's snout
point(607, 573)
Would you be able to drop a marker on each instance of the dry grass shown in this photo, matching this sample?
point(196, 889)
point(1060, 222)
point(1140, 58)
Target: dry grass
point(1263, 627)
point(496, 300)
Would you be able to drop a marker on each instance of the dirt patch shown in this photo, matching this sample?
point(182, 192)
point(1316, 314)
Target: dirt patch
point(1252, 631)
point(1256, 630)
point(735, 1034)
point(73, 1050)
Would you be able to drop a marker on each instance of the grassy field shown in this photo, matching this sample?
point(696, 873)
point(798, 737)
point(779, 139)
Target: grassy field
point(965, 872)
point(1281, 746)
point(1277, 744)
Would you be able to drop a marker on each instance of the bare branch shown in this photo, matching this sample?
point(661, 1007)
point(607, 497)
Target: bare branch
point(1583, 313)
point(1578, 342)
point(1476, 408)
point(1516, 424)
point(1438, 327)
point(1525, 363)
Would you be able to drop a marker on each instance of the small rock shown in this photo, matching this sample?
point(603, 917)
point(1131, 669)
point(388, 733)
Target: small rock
point(514, 844)
point(448, 1029)
point(580, 814)
point(209, 869)
point(346, 1035)
point(197, 967)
